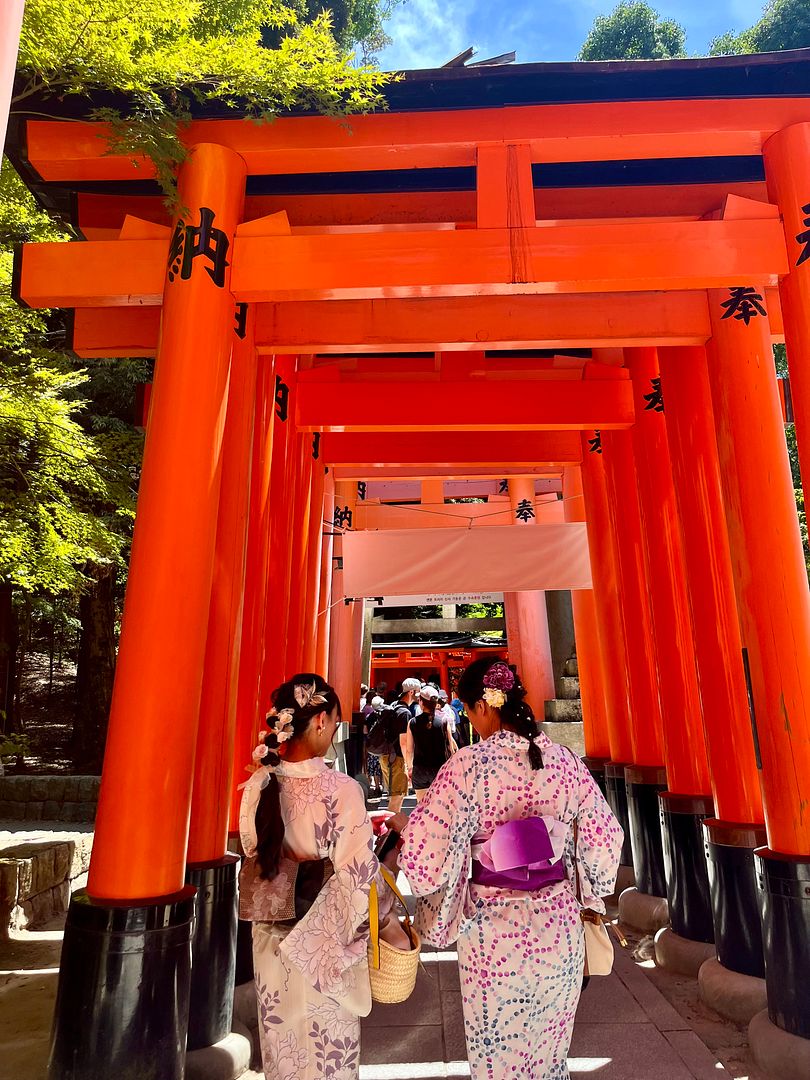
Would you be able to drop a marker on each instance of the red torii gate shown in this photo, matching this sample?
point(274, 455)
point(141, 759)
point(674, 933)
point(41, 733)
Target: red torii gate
point(535, 246)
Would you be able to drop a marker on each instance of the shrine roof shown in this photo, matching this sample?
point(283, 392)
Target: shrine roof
point(600, 132)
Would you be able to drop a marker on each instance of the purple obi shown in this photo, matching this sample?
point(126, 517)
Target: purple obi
point(524, 855)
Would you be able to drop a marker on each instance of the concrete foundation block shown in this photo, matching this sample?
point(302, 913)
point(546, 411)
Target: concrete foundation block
point(225, 1060)
point(643, 912)
point(245, 1008)
point(736, 997)
point(779, 1054)
point(679, 954)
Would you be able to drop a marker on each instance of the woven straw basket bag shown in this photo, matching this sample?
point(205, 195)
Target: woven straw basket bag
point(392, 971)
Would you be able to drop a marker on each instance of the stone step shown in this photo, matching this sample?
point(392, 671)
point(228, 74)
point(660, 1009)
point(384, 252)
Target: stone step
point(564, 710)
point(571, 667)
point(568, 689)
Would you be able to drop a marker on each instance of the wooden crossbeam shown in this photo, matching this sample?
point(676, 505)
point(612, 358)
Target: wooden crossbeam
point(465, 406)
point(616, 257)
point(451, 450)
point(591, 131)
point(623, 257)
point(597, 320)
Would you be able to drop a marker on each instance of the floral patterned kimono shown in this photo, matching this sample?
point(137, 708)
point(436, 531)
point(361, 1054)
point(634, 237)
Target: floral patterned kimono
point(521, 954)
point(312, 982)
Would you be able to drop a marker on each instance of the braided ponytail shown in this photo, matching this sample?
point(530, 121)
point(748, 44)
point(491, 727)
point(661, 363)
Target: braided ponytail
point(515, 712)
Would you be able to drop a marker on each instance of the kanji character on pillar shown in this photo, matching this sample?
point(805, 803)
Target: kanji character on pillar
point(524, 511)
point(744, 303)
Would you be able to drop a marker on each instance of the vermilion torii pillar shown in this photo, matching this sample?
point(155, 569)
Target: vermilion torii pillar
point(325, 591)
point(210, 868)
point(252, 651)
point(774, 604)
point(787, 170)
point(274, 667)
point(646, 776)
point(589, 658)
point(137, 872)
point(687, 800)
point(737, 828)
point(612, 645)
point(535, 648)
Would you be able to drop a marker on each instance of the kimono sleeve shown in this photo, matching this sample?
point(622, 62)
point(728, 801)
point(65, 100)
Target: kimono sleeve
point(329, 944)
point(600, 843)
point(435, 856)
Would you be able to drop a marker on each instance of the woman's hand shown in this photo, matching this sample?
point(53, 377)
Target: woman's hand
point(397, 822)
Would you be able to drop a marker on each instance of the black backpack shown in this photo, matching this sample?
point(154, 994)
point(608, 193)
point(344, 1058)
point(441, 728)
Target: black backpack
point(382, 738)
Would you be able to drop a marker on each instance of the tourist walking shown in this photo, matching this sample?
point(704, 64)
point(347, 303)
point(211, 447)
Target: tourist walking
point(428, 743)
point(372, 768)
point(392, 753)
point(305, 884)
point(517, 928)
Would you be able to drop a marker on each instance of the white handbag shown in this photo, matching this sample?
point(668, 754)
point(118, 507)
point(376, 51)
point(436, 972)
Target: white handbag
point(598, 946)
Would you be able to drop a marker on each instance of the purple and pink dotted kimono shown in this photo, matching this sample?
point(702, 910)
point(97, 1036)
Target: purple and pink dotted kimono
point(521, 953)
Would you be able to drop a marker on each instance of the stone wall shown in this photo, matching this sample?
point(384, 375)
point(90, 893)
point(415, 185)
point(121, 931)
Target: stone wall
point(48, 798)
point(38, 874)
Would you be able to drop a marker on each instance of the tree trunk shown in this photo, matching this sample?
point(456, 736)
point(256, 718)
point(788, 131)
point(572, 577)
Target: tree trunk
point(95, 669)
point(8, 658)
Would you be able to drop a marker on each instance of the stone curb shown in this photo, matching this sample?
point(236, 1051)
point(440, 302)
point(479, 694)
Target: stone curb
point(643, 912)
point(679, 954)
point(779, 1054)
point(225, 1060)
point(735, 996)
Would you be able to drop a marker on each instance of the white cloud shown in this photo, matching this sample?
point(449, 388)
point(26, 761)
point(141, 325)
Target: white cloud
point(427, 33)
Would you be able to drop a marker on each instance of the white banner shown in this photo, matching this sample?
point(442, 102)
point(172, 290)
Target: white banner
point(417, 600)
point(434, 562)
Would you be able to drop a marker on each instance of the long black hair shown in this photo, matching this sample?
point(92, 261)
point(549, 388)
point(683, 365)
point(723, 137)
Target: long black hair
point(269, 822)
point(516, 713)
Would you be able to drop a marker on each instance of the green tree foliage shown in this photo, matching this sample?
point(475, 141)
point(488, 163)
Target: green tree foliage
point(51, 482)
point(161, 56)
point(633, 31)
point(785, 24)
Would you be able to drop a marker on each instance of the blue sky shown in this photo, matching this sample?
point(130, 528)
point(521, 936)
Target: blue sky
point(427, 33)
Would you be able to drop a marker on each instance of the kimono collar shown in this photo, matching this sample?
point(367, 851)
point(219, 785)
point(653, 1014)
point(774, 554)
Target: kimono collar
point(311, 767)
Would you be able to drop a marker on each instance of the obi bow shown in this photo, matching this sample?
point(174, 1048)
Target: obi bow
point(526, 854)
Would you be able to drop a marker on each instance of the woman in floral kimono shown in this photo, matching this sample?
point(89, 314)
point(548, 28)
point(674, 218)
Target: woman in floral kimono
point(489, 853)
point(305, 885)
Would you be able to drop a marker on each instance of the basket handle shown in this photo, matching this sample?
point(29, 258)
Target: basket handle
point(374, 914)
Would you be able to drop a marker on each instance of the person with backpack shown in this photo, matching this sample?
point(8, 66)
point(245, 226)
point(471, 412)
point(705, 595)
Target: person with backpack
point(429, 742)
point(386, 738)
point(372, 769)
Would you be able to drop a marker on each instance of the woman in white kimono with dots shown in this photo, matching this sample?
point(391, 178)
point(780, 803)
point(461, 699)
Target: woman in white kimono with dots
point(304, 884)
point(489, 854)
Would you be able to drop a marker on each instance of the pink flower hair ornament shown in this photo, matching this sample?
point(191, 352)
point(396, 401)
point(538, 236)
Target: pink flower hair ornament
point(280, 724)
point(498, 681)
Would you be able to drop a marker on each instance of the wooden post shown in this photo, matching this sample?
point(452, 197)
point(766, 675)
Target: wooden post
point(589, 658)
point(142, 824)
point(214, 759)
point(787, 170)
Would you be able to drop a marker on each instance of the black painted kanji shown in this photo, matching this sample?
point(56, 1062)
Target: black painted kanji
point(241, 320)
point(595, 444)
point(194, 241)
point(655, 399)
point(362, 489)
point(524, 511)
point(316, 445)
point(343, 517)
point(282, 398)
point(744, 303)
point(803, 238)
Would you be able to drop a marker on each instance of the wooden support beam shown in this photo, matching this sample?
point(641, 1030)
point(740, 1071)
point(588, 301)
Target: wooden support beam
point(465, 406)
point(429, 325)
point(450, 450)
point(493, 471)
point(614, 257)
point(592, 131)
point(624, 257)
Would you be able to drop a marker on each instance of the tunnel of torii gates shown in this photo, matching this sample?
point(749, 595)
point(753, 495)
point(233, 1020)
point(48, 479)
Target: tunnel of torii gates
point(571, 271)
